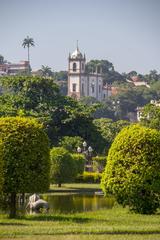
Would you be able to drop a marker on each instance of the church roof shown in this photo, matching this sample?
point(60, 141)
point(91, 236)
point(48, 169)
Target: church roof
point(76, 54)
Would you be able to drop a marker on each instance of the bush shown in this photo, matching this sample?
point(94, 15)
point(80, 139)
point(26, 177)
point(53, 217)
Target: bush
point(89, 177)
point(25, 156)
point(1, 167)
point(99, 163)
point(63, 167)
point(132, 171)
point(80, 162)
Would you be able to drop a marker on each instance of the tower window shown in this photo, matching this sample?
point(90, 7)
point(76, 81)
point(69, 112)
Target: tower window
point(74, 67)
point(74, 87)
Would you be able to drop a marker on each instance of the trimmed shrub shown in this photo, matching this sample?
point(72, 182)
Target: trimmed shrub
point(132, 172)
point(89, 177)
point(63, 167)
point(1, 167)
point(80, 162)
point(25, 156)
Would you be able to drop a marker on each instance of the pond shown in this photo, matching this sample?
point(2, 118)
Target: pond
point(68, 203)
point(72, 202)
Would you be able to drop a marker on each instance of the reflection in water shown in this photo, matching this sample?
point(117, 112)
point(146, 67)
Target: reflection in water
point(70, 203)
point(77, 202)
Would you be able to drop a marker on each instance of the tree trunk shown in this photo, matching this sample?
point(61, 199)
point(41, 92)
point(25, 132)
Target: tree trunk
point(12, 205)
point(28, 62)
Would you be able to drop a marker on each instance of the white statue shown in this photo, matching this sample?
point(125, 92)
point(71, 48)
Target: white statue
point(35, 204)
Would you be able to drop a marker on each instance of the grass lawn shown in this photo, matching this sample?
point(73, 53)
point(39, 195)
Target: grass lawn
point(76, 187)
point(106, 224)
point(116, 223)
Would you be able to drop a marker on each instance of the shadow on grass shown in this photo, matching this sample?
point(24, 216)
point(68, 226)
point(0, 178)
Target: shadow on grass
point(13, 224)
point(105, 233)
point(56, 218)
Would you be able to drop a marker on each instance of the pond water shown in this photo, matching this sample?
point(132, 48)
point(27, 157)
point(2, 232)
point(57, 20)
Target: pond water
point(68, 203)
point(72, 202)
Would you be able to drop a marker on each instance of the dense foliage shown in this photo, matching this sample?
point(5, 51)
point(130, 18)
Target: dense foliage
point(1, 167)
point(71, 143)
point(99, 163)
point(40, 97)
point(89, 177)
point(25, 154)
point(79, 161)
point(151, 116)
point(132, 170)
point(106, 130)
point(63, 166)
point(106, 68)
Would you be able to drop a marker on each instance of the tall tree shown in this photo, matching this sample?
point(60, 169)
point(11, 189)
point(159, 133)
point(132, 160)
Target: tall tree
point(28, 42)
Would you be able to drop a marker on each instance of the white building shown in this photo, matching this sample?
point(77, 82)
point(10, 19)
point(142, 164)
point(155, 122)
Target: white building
point(81, 83)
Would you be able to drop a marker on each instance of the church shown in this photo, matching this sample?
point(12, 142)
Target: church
point(81, 83)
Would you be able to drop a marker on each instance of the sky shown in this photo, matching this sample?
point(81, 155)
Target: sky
point(124, 32)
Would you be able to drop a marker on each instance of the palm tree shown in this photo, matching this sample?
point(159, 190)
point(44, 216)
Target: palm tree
point(46, 71)
point(28, 42)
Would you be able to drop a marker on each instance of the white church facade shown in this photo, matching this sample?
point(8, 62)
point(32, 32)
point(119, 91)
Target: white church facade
point(81, 83)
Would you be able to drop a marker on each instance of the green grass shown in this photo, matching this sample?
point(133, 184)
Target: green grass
point(79, 187)
point(110, 224)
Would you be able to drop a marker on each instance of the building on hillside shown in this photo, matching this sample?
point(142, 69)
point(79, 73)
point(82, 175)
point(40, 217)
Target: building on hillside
point(81, 83)
point(14, 68)
point(138, 82)
point(140, 109)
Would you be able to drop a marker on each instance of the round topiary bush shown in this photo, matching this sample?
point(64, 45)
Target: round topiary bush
point(132, 172)
point(63, 166)
point(25, 157)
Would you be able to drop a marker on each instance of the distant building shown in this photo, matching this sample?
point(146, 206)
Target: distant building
point(81, 83)
point(14, 68)
point(138, 82)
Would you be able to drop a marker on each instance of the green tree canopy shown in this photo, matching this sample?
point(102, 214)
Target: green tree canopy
point(132, 170)
point(107, 130)
point(151, 116)
point(40, 97)
point(71, 143)
point(109, 74)
point(33, 95)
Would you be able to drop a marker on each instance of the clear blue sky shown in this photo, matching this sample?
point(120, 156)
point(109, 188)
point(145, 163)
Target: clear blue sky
point(125, 32)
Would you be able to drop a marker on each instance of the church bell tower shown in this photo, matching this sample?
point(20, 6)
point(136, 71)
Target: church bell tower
point(76, 73)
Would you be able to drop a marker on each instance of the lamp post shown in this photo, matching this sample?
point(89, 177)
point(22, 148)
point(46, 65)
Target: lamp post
point(88, 155)
point(116, 105)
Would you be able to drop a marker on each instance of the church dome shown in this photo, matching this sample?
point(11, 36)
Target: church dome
point(76, 54)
